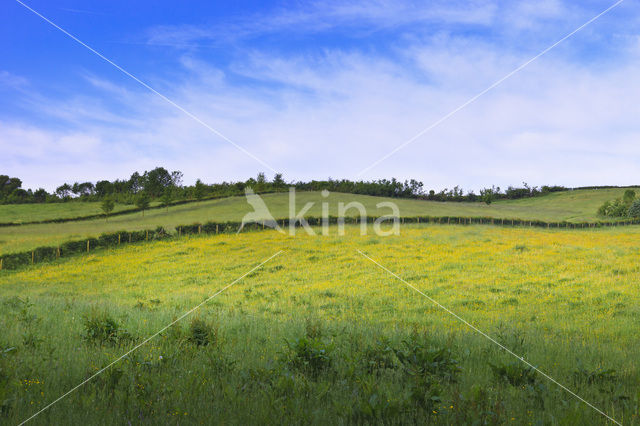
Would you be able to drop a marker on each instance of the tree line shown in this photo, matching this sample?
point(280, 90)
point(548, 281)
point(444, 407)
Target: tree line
point(161, 185)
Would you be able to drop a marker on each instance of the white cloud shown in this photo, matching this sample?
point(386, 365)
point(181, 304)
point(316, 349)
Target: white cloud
point(334, 111)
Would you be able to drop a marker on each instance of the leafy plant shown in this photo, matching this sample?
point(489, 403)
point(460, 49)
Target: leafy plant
point(380, 356)
point(515, 373)
point(310, 354)
point(142, 202)
point(107, 206)
point(420, 360)
point(634, 210)
point(103, 329)
point(201, 333)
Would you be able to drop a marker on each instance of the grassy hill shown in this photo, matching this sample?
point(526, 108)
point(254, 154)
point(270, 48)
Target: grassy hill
point(22, 213)
point(579, 205)
point(321, 335)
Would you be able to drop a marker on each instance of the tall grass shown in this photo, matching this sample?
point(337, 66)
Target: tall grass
point(320, 335)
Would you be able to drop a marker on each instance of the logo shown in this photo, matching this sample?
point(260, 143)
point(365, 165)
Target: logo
point(297, 220)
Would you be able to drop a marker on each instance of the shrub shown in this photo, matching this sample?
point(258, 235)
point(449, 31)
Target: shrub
point(201, 333)
point(381, 356)
point(420, 360)
point(634, 210)
point(516, 374)
point(101, 328)
point(310, 354)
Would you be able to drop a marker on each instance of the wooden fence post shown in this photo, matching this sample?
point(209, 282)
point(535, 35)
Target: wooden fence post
point(129, 236)
point(87, 245)
point(199, 229)
point(216, 228)
point(58, 252)
point(0, 264)
point(32, 256)
point(146, 236)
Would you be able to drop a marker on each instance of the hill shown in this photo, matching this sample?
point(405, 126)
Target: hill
point(577, 205)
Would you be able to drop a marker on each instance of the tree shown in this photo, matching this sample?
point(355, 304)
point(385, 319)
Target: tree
point(166, 198)
point(199, 190)
point(142, 202)
point(40, 196)
point(104, 188)
point(107, 207)
point(63, 191)
point(278, 181)
point(629, 196)
point(634, 210)
point(8, 185)
point(135, 183)
point(176, 178)
point(487, 195)
point(156, 181)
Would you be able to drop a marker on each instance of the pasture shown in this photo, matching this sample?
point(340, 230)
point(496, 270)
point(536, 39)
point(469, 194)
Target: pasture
point(579, 205)
point(320, 334)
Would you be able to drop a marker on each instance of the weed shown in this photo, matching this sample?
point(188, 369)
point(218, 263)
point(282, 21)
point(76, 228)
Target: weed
point(419, 360)
point(514, 373)
point(380, 356)
point(201, 333)
point(310, 355)
point(101, 328)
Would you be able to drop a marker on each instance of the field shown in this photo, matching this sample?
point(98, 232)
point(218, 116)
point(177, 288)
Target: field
point(320, 334)
point(21, 213)
point(579, 205)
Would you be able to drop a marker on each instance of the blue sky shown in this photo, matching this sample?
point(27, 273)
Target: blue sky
point(322, 89)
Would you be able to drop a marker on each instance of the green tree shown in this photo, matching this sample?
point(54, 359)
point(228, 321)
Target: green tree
point(629, 196)
point(634, 210)
point(487, 195)
point(107, 207)
point(166, 198)
point(278, 181)
point(142, 202)
point(199, 190)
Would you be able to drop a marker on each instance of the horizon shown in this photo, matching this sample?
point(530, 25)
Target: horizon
point(322, 89)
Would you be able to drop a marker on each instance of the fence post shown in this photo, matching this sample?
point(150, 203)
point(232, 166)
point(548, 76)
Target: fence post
point(216, 228)
point(118, 239)
point(87, 245)
point(199, 229)
point(58, 252)
point(146, 236)
point(0, 264)
point(129, 236)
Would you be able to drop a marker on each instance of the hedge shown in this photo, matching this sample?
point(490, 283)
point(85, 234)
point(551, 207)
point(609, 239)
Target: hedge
point(69, 248)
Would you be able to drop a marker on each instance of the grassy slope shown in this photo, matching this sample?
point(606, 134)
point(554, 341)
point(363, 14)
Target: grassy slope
point(572, 205)
point(528, 288)
point(20, 213)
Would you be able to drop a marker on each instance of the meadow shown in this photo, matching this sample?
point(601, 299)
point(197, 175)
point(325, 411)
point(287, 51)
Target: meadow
point(572, 206)
point(320, 334)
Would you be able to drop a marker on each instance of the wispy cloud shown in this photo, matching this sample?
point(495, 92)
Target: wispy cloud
point(326, 111)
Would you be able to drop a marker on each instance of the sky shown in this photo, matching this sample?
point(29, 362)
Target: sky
point(321, 89)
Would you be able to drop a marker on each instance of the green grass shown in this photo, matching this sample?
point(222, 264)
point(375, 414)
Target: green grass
point(578, 205)
point(320, 335)
point(21, 213)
